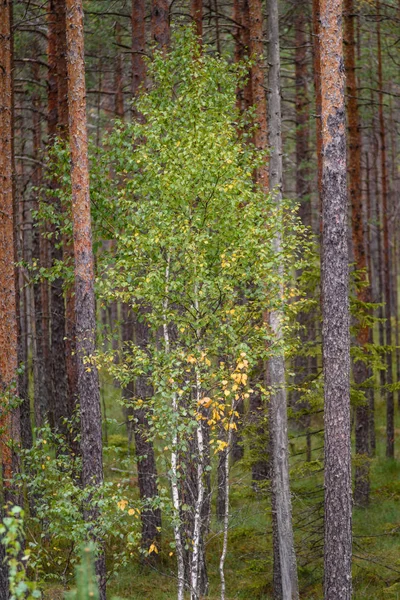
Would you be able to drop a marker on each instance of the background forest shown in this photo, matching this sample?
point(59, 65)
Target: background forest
point(199, 299)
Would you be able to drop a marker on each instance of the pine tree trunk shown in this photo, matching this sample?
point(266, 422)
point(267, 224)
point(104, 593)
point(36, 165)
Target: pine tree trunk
point(276, 363)
point(138, 45)
point(335, 309)
point(58, 406)
point(85, 311)
point(10, 418)
point(160, 29)
point(252, 13)
point(196, 10)
point(361, 371)
point(386, 250)
point(317, 92)
point(41, 381)
point(304, 366)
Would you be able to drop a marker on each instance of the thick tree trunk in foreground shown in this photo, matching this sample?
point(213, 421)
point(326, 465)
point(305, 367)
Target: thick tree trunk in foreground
point(160, 29)
point(386, 250)
point(276, 364)
point(335, 305)
point(88, 381)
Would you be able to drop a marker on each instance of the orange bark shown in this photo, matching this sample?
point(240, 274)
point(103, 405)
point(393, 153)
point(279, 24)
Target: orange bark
point(9, 418)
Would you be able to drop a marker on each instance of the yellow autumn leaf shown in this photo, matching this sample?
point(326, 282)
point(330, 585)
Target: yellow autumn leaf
point(153, 548)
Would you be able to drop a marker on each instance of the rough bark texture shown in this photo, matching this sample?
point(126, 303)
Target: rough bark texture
point(58, 405)
point(276, 364)
point(138, 45)
point(361, 372)
point(335, 309)
point(160, 29)
point(9, 418)
point(386, 249)
point(85, 313)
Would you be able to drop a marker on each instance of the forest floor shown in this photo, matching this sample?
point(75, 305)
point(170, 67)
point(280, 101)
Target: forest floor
point(376, 564)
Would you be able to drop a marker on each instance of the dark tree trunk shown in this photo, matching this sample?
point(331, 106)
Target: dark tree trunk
point(278, 422)
point(371, 252)
point(386, 250)
point(138, 45)
point(85, 310)
point(361, 371)
point(335, 309)
point(304, 365)
point(317, 92)
point(144, 450)
point(58, 405)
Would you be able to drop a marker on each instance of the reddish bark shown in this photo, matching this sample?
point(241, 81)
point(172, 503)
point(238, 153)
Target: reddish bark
point(160, 29)
point(138, 45)
point(335, 309)
point(85, 310)
point(196, 9)
point(258, 87)
point(9, 416)
point(361, 371)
